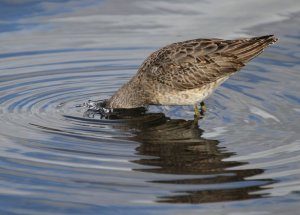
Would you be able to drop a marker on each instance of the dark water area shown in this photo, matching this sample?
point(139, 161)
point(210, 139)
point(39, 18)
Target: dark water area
point(59, 157)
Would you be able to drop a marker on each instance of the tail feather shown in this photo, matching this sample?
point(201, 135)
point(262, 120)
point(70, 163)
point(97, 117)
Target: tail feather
point(247, 49)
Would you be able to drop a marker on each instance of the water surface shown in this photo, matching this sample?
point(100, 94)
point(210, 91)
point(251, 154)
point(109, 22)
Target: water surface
point(243, 157)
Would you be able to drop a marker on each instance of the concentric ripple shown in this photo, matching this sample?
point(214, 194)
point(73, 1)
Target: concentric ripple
point(58, 155)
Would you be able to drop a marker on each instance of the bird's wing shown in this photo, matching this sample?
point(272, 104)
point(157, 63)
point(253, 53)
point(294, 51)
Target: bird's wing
point(196, 72)
point(192, 64)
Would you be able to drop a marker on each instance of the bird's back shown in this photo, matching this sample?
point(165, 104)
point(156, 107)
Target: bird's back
point(194, 63)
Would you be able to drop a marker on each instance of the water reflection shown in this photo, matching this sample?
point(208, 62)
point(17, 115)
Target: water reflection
point(57, 54)
point(175, 147)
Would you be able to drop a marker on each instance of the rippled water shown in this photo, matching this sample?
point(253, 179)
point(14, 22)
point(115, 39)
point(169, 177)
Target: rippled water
point(56, 156)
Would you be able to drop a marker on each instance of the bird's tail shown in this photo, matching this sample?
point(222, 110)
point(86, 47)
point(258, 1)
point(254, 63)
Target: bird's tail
point(247, 49)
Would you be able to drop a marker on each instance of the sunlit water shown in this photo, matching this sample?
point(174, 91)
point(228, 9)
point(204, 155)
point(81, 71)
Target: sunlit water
point(57, 157)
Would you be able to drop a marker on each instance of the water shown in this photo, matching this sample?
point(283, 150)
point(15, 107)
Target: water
point(56, 158)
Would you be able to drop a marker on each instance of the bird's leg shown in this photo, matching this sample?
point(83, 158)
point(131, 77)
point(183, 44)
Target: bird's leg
point(196, 110)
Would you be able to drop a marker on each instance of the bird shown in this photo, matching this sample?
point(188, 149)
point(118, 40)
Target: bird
point(188, 72)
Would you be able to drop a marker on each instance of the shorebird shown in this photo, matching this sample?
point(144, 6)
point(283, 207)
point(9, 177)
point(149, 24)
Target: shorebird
point(186, 73)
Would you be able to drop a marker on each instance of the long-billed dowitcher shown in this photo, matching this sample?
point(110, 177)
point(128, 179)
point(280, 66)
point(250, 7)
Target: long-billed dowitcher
point(185, 73)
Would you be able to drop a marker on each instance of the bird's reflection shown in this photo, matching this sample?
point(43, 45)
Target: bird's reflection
point(175, 147)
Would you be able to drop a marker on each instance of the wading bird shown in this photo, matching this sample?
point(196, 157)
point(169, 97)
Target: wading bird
point(186, 73)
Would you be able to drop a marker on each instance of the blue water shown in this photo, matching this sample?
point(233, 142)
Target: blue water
point(56, 157)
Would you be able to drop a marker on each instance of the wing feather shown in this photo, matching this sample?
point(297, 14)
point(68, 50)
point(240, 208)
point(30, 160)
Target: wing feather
point(195, 63)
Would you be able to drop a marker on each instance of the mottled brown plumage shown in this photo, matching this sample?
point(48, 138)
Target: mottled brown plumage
point(185, 73)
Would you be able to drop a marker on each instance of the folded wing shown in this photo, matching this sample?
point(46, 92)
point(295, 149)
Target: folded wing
point(195, 63)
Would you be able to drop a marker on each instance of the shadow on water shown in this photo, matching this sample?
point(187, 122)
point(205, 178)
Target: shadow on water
point(176, 147)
